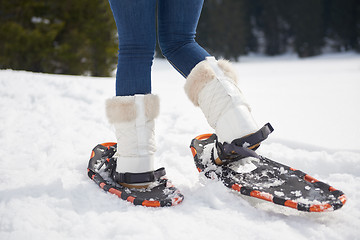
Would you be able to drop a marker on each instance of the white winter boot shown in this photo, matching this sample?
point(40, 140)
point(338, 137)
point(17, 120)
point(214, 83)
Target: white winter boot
point(132, 166)
point(212, 85)
point(133, 120)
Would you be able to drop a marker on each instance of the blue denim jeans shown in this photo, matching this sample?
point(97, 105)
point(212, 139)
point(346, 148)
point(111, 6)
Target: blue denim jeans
point(136, 25)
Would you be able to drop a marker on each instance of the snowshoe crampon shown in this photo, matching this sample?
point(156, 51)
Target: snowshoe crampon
point(263, 178)
point(101, 169)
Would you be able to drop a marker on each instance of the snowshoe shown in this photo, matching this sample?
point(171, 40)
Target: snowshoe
point(239, 168)
point(101, 169)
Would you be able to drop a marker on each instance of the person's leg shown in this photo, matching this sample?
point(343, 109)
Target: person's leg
point(135, 21)
point(177, 22)
point(133, 111)
point(210, 84)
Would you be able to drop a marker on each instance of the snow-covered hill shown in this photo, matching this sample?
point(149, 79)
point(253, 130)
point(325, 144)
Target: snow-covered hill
point(50, 123)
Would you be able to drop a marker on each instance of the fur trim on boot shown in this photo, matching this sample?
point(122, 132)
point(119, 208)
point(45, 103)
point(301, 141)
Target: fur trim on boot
point(202, 74)
point(122, 109)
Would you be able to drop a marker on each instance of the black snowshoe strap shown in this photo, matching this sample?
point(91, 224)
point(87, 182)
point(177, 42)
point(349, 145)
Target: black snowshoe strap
point(131, 178)
point(228, 153)
point(242, 147)
point(253, 140)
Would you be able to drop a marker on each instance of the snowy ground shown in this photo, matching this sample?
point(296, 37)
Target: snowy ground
point(50, 123)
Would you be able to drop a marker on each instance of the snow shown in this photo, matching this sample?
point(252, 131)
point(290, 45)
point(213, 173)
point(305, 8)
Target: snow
point(50, 123)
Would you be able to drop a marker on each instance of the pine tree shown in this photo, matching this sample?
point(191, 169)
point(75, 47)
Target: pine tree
point(306, 20)
point(343, 24)
point(70, 37)
point(270, 19)
point(225, 27)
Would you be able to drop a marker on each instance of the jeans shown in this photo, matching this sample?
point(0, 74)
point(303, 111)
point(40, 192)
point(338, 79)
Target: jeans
point(136, 25)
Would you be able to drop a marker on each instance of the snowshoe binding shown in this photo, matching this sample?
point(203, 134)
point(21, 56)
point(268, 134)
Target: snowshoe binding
point(101, 169)
point(240, 168)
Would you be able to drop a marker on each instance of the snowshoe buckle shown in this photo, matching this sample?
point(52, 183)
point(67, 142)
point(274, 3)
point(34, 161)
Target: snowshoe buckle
point(242, 147)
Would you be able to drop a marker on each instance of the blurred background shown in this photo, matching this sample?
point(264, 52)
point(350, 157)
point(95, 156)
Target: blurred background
point(79, 37)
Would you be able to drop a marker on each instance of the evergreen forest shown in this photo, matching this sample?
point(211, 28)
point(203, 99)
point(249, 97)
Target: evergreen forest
point(79, 37)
